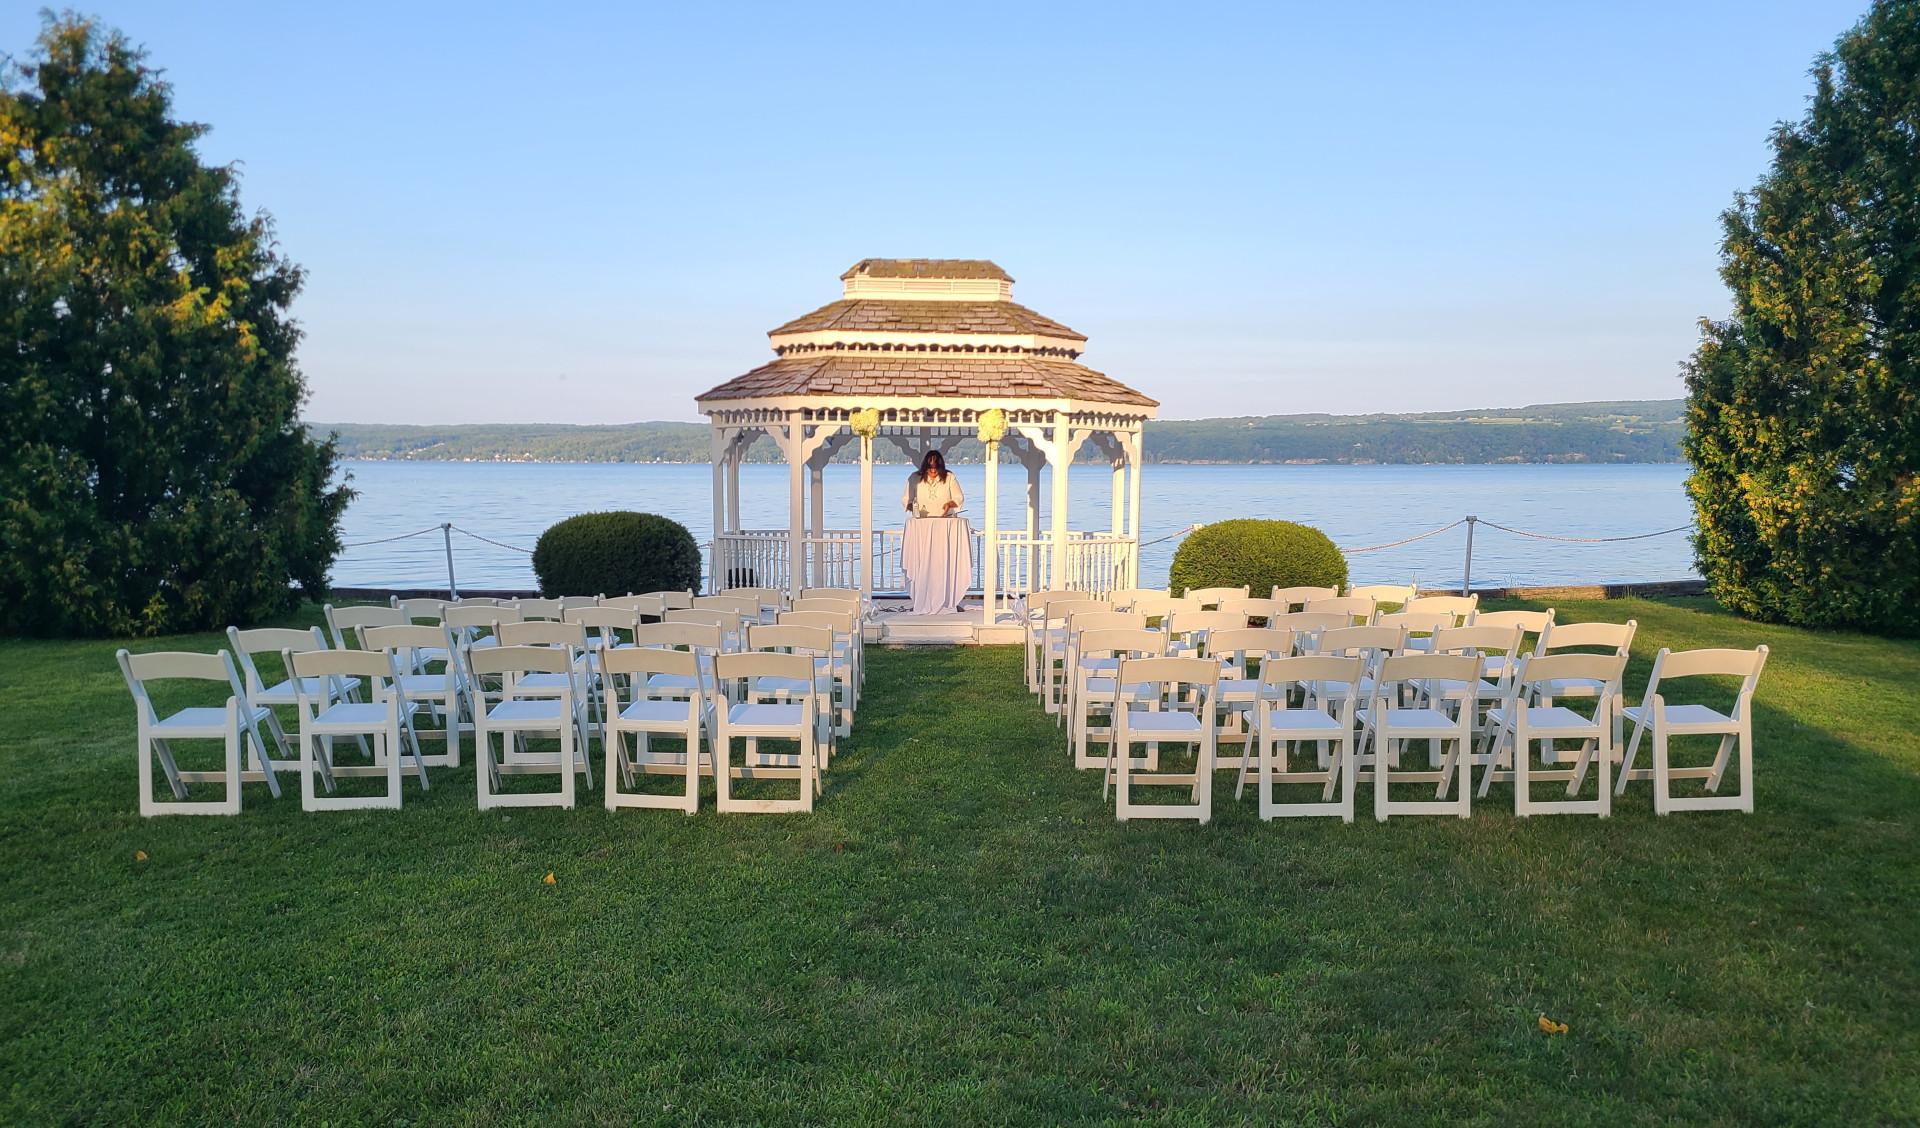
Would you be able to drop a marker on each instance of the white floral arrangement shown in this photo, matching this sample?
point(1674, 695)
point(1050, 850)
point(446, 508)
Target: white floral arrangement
point(993, 425)
point(865, 423)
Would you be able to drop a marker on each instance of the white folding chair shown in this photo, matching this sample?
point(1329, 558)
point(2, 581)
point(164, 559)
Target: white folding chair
point(1390, 724)
point(752, 714)
point(604, 625)
point(1053, 649)
point(1520, 721)
point(1187, 630)
point(1210, 598)
point(540, 610)
point(1279, 730)
point(1734, 728)
point(674, 600)
point(1033, 625)
point(342, 620)
point(1241, 653)
point(1078, 665)
point(815, 643)
point(1168, 683)
point(1124, 598)
point(702, 640)
point(1359, 611)
point(1307, 626)
point(520, 714)
point(1536, 623)
point(377, 721)
point(428, 608)
point(732, 631)
point(649, 606)
point(643, 718)
point(846, 659)
point(442, 694)
point(1398, 595)
point(1300, 596)
point(1253, 608)
point(229, 723)
point(571, 637)
point(1095, 659)
point(1419, 625)
point(1465, 609)
point(259, 695)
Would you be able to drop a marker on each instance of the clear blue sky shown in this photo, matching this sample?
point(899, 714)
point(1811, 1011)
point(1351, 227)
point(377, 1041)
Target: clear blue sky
point(590, 213)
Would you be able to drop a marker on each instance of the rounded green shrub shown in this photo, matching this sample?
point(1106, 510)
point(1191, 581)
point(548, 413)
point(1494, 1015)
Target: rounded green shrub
point(1261, 554)
point(616, 553)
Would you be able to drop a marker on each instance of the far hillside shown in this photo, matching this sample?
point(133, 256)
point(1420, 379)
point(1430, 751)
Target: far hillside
point(1611, 432)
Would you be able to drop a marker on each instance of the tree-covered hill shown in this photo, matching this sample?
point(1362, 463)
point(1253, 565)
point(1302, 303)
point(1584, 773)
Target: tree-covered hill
point(1625, 431)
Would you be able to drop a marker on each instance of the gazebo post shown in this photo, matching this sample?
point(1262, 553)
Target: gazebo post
point(816, 481)
point(736, 454)
point(1059, 455)
point(866, 520)
point(990, 556)
point(722, 449)
point(796, 512)
point(1134, 449)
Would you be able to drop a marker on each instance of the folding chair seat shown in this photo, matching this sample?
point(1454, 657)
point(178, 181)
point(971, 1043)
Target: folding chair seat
point(1280, 730)
point(1242, 654)
point(443, 694)
point(342, 620)
point(1520, 722)
point(1359, 611)
point(1299, 597)
point(1167, 682)
point(1535, 623)
point(1419, 625)
point(815, 643)
point(1734, 728)
point(1094, 660)
point(846, 659)
point(377, 721)
point(259, 695)
point(643, 717)
point(753, 714)
point(1479, 643)
point(1389, 723)
point(571, 637)
point(1396, 595)
point(1211, 598)
point(231, 724)
point(524, 713)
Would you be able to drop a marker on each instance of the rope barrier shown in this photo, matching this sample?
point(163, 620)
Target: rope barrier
point(495, 543)
point(1584, 540)
point(1409, 540)
point(389, 540)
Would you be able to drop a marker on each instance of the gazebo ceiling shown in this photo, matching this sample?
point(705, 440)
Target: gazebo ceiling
point(927, 328)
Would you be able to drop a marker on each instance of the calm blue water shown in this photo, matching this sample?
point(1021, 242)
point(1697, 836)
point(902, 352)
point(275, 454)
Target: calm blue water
point(1357, 506)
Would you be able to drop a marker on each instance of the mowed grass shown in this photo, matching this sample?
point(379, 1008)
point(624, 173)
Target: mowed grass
point(962, 934)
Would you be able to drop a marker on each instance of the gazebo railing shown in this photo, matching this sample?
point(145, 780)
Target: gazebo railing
point(1095, 563)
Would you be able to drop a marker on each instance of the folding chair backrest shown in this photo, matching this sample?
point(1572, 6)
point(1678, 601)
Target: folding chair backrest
point(575, 602)
point(424, 607)
point(739, 605)
point(1604, 668)
point(1254, 607)
point(774, 597)
point(413, 636)
point(1385, 593)
point(1617, 637)
point(342, 620)
point(1532, 622)
point(539, 632)
point(1477, 639)
point(480, 601)
point(763, 664)
point(1107, 620)
point(728, 621)
point(1416, 622)
point(1211, 597)
point(519, 660)
point(604, 618)
point(1354, 607)
point(1313, 668)
point(1366, 641)
point(272, 640)
point(651, 660)
point(1711, 663)
point(841, 621)
point(374, 665)
point(1124, 599)
point(1428, 667)
point(1199, 672)
point(1250, 640)
point(674, 600)
point(1127, 640)
point(176, 665)
point(672, 636)
point(1309, 622)
point(1292, 596)
point(845, 595)
point(1462, 607)
point(535, 609)
point(644, 604)
point(1161, 606)
point(468, 618)
point(815, 640)
point(1061, 610)
point(841, 606)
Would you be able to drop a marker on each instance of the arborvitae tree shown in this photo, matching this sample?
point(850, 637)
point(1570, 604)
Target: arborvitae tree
point(156, 476)
point(1804, 408)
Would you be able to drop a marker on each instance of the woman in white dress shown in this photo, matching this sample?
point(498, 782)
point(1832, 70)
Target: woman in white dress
point(931, 490)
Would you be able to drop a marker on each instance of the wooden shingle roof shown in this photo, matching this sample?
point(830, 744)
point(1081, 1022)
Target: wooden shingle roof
point(876, 314)
point(982, 377)
point(926, 268)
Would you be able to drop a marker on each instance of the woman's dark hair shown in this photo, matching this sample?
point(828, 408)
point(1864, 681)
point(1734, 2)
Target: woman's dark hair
point(933, 461)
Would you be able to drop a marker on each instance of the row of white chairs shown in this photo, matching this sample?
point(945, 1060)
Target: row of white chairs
point(1487, 695)
point(515, 678)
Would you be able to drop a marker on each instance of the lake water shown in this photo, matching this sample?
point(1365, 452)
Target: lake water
point(1358, 506)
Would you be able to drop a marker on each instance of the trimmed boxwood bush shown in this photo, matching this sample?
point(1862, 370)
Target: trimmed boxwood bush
point(1261, 554)
point(616, 553)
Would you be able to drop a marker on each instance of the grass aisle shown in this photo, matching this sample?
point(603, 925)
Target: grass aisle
point(962, 934)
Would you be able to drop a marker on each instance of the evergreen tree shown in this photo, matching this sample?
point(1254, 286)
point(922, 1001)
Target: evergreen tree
point(1804, 407)
point(156, 475)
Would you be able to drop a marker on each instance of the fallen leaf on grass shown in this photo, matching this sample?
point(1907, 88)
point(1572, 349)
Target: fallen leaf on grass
point(548, 880)
point(1549, 1026)
point(139, 855)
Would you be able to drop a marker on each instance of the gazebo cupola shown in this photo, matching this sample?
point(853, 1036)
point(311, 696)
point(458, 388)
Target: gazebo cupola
point(931, 345)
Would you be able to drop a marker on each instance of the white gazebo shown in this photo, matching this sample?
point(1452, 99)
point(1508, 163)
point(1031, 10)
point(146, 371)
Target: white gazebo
point(932, 347)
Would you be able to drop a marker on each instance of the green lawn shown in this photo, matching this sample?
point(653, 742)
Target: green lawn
point(962, 934)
